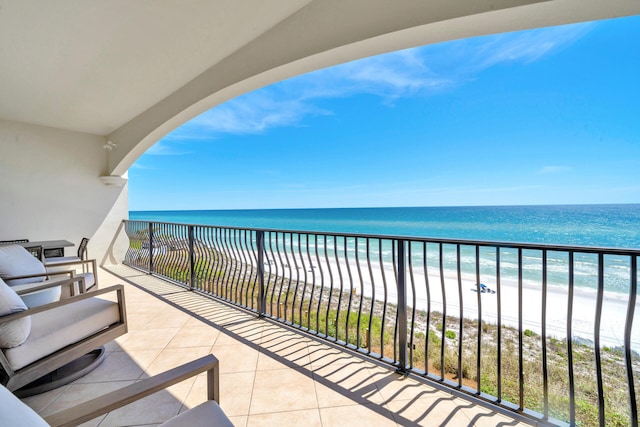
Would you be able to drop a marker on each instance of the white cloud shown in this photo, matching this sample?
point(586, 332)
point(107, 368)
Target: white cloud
point(550, 170)
point(413, 72)
point(527, 46)
point(163, 148)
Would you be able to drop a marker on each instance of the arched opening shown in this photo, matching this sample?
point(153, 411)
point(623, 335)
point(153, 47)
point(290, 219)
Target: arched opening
point(541, 116)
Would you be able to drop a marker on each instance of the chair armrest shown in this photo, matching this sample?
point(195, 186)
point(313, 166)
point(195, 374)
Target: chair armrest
point(118, 398)
point(28, 288)
point(33, 310)
point(73, 262)
point(47, 274)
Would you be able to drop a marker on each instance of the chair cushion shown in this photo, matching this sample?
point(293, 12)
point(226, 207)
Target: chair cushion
point(204, 415)
point(14, 412)
point(54, 329)
point(17, 261)
point(58, 259)
point(12, 333)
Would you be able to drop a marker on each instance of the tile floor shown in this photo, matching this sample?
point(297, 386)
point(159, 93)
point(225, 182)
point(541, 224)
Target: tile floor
point(269, 375)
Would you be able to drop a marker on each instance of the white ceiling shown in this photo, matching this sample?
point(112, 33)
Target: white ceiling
point(92, 65)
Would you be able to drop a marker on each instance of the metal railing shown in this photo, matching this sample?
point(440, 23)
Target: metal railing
point(544, 331)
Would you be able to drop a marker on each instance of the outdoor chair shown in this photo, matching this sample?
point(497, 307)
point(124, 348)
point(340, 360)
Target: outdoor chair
point(14, 412)
point(62, 264)
point(18, 266)
point(82, 254)
point(37, 341)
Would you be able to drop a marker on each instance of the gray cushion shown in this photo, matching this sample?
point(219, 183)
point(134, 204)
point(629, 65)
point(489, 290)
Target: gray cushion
point(12, 333)
point(59, 259)
point(17, 261)
point(57, 328)
point(13, 412)
point(204, 415)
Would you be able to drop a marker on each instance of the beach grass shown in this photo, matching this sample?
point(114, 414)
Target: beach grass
point(436, 345)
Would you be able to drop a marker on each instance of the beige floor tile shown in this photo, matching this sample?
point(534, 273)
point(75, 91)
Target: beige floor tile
point(240, 421)
point(357, 415)
point(235, 393)
point(167, 319)
point(441, 410)
point(344, 385)
point(41, 401)
point(393, 386)
point(117, 366)
point(322, 355)
point(153, 409)
point(282, 390)
point(76, 393)
point(306, 418)
point(200, 336)
point(235, 358)
point(291, 351)
point(148, 339)
point(170, 358)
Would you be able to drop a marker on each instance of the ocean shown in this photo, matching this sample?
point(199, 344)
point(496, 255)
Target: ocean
point(604, 226)
point(613, 226)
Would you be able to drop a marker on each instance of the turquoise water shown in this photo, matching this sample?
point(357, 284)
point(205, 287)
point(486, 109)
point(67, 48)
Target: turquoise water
point(609, 226)
point(616, 226)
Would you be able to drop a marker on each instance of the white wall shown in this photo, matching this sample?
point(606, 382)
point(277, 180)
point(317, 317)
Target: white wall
point(50, 187)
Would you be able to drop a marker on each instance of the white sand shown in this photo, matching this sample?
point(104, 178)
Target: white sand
point(613, 317)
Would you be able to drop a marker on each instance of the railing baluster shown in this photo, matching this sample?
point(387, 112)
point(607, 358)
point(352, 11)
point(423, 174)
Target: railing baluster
point(460, 315)
point(351, 289)
point(572, 389)
point(444, 313)
point(357, 250)
point(596, 333)
point(328, 264)
point(402, 307)
point(499, 326)
point(192, 260)
point(151, 248)
point(545, 370)
point(627, 340)
point(520, 336)
point(428, 291)
point(373, 295)
point(262, 294)
point(479, 339)
point(341, 283)
point(413, 306)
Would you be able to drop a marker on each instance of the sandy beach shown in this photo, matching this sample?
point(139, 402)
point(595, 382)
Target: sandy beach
point(613, 315)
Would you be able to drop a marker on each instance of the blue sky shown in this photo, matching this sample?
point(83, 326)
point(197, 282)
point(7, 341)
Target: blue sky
point(549, 116)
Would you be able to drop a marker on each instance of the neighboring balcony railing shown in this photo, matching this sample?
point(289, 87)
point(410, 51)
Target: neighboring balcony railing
point(544, 331)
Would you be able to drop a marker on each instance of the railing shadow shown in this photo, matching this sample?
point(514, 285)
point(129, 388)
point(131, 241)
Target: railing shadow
point(329, 365)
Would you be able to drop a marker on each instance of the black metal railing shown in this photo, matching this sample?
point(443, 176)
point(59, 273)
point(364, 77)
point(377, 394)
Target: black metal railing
point(544, 331)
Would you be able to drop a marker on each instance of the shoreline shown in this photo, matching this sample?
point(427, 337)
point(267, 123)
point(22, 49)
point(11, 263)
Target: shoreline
point(613, 314)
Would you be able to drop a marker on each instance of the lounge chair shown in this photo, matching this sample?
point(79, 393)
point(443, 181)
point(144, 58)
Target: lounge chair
point(64, 263)
point(15, 412)
point(19, 267)
point(37, 341)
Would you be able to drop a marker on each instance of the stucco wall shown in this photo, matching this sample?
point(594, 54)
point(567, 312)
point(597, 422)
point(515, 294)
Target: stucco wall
point(50, 187)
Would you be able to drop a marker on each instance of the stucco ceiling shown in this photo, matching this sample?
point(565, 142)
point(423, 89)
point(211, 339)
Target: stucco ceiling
point(91, 65)
point(132, 70)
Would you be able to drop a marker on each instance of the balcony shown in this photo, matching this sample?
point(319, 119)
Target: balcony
point(379, 328)
point(270, 374)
